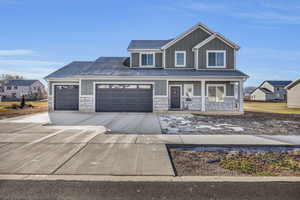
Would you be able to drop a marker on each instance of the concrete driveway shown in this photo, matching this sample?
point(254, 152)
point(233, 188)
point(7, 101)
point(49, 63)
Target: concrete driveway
point(31, 148)
point(114, 123)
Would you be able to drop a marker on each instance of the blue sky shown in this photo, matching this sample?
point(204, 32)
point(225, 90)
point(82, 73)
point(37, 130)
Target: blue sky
point(38, 37)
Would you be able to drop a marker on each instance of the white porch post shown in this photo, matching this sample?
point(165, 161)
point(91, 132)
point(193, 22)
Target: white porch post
point(203, 95)
point(241, 95)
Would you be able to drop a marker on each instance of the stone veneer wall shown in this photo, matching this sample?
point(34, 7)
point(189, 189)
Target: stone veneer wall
point(194, 104)
point(160, 103)
point(86, 104)
point(229, 104)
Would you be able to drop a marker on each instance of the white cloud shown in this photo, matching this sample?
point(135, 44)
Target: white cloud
point(16, 52)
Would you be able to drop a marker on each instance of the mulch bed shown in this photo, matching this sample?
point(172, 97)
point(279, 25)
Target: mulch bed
point(221, 163)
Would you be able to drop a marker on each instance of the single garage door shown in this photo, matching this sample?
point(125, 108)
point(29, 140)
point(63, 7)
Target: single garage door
point(124, 98)
point(66, 97)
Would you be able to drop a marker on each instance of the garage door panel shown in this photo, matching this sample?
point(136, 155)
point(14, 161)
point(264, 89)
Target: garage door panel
point(66, 97)
point(124, 98)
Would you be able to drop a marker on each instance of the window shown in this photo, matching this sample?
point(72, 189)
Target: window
point(147, 59)
point(216, 93)
point(145, 86)
point(103, 86)
point(188, 90)
point(8, 87)
point(180, 58)
point(216, 59)
point(130, 86)
point(15, 87)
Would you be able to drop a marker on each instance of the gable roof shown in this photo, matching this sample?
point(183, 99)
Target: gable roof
point(277, 83)
point(293, 84)
point(147, 44)
point(116, 66)
point(264, 90)
point(20, 82)
point(216, 35)
point(203, 27)
point(163, 44)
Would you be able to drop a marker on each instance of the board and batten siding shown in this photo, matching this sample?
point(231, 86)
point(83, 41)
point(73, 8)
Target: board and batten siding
point(185, 44)
point(216, 44)
point(136, 60)
point(293, 96)
point(160, 88)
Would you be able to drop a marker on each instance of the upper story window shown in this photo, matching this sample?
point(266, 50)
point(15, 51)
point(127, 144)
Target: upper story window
point(147, 60)
point(8, 87)
point(180, 58)
point(15, 87)
point(216, 59)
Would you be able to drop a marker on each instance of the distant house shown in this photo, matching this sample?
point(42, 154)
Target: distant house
point(15, 89)
point(270, 91)
point(293, 94)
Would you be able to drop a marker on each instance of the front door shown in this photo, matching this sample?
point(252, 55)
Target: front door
point(175, 97)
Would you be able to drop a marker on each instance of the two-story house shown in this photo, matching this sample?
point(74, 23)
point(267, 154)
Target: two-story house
point(193, 71)
point(15, 89)
point(270, 90)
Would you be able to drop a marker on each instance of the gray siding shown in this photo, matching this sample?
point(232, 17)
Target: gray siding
point(185, 44)
point(158, 59)
point(60, 82)
point(136, 59)
point(216, 44)
point(159, 89)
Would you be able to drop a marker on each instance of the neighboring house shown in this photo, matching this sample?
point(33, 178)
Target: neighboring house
point(270, 91)
point(194, 71)
point(293, 94)
point(14, 89)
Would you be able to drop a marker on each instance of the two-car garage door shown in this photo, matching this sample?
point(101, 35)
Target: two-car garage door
point(124, 98)
point(109, 97)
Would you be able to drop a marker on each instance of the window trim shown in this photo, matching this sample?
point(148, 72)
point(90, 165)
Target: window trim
point(184, 59)
point(140, 58)
point(215, 51)
point(216, 85)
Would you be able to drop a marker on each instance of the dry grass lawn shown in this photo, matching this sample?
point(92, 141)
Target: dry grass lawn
point(6, 112)
point(270, 107)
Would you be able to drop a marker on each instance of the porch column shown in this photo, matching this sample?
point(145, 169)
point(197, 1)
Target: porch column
point(241, 95)
point(203, 95)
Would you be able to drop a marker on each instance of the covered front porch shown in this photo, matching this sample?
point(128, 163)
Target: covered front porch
point(205, 95)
